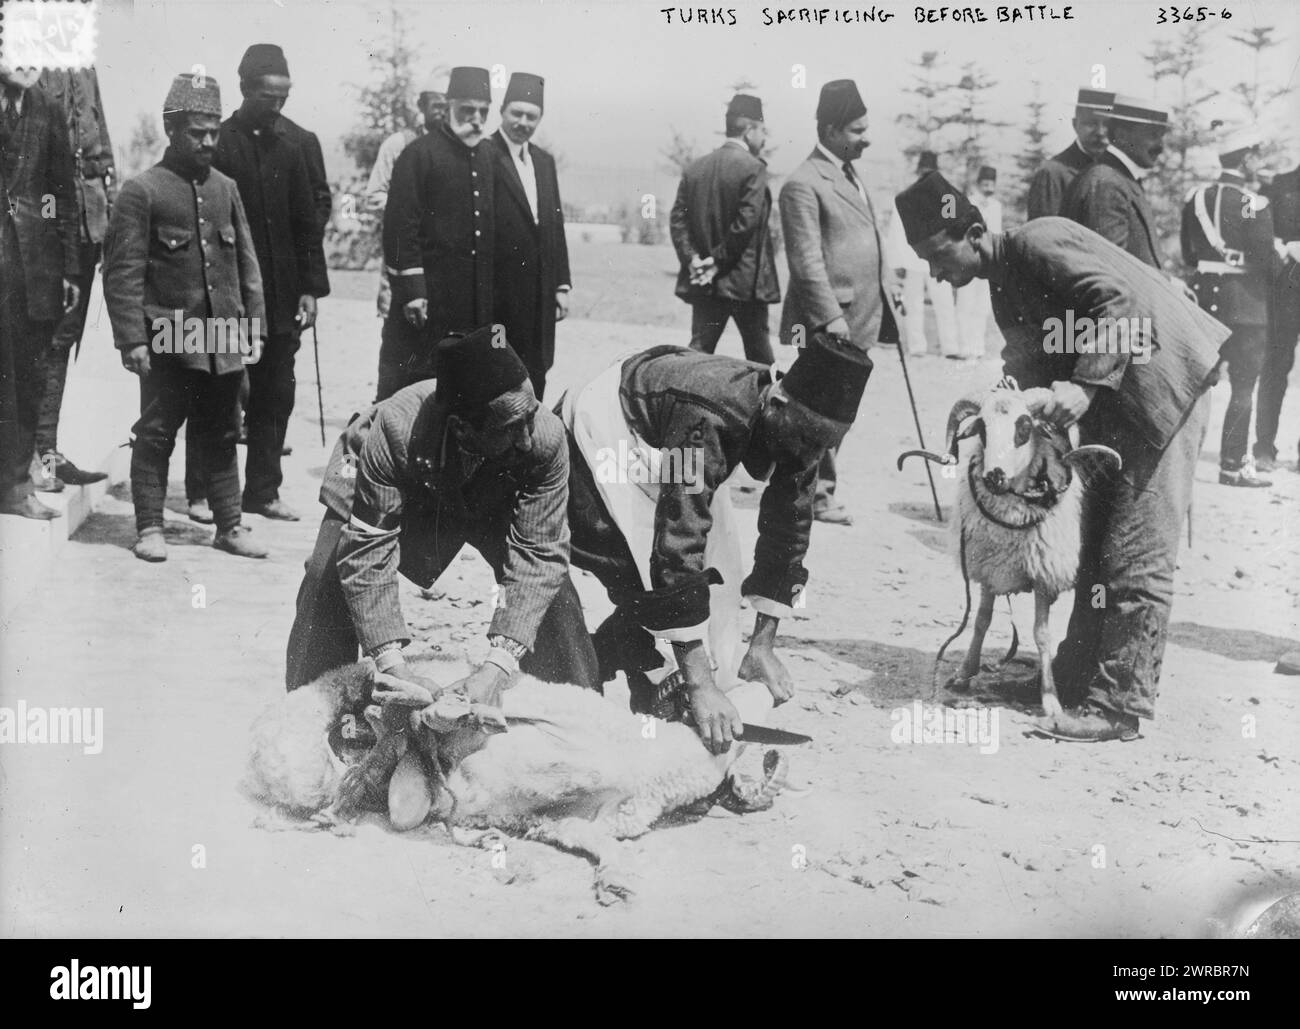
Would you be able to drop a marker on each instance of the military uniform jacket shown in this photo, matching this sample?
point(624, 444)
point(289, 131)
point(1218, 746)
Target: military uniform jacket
point(722, 211)
point(77, 91)
point(306, 141)
point(35, 163)
point(1109, 200)
point(413, 498)
point(1233, 287)
point(1050, 267)
point(1048, 186)
point(679, 398)
point(180, 244)
point(271, 173)
point(438, 234)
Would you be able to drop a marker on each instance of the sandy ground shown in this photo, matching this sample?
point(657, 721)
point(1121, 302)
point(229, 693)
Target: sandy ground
point(1177, 834)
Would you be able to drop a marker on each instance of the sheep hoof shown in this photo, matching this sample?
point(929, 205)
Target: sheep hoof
point(1052, 707)
point(615, 884)
point(960, 682)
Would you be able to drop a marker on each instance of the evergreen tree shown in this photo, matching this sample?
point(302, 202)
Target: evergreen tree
point(1031, 156)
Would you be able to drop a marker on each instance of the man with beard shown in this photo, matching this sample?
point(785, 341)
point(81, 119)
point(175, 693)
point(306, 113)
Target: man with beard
point(531, 272)
point(1048, 186)
point(832, 242)
point(438, 236)
point(653, 442)
point(1146, 400)
point(471, 459)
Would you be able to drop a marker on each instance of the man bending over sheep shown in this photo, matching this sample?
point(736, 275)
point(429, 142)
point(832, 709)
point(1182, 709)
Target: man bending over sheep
point(653, 440)
point(1145, 398)
point(471, 458)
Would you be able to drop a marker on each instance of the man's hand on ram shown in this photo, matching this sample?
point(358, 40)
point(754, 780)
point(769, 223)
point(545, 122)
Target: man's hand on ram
point(1069, 403)
point(400, 687)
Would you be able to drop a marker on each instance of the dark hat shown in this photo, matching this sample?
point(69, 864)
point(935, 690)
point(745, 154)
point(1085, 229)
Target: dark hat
point(745, 106)
point(1099, 100)
point(1139, 111)
point(927, 161)
point(840, 103)
point(199, 94)
point(475, 369)
point(263, 59)
point(828, 377)
point(930, 205)
point(526, 87)
point(987, 172)
point(1236, 144)
point(470, 84)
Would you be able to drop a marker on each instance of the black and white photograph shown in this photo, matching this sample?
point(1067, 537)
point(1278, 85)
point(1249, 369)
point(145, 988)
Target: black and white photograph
point(551, 469)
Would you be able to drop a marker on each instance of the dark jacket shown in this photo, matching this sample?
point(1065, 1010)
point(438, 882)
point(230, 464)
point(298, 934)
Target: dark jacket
point(321, 195)
point(160, 257)
point(1284, 196)
point(35, 163)
point(531, 257)
point(1109, 200)
point(413, 499)
point(680, 398)
point(722, 210)
point(1052, 266)
point(1048, 186)
point(438, 239)
point(1234, 288)
point(77, 92)
point(271, 173)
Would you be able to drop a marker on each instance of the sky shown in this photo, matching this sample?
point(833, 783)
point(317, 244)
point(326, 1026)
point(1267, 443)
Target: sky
point(620, 78)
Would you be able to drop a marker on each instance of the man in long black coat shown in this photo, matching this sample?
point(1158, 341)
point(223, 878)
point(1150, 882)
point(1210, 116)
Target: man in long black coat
point(531, 268)
point(1049, 185)
point(1284, 320)
point(438, 236)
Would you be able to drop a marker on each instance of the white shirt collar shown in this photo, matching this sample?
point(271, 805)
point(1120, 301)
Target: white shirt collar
point(838, 162)
point(1126, 161)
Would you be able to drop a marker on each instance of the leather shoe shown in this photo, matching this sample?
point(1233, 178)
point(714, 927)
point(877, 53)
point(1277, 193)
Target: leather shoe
point(150, 546)
point(1091, 723)
point(275, 509)
point(1244, 477)
point(29, 507)
point(833, 514)
point(74, 476)
point(1266, 464)
point(236, 541)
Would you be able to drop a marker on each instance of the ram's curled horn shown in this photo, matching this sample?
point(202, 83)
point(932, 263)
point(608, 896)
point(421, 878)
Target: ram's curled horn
point(965, 408)
point(929, 455)
point(1095, 452)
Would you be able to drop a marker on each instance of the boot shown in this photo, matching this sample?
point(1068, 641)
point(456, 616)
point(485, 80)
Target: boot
point(151, 546)
point(68, 472)
point(237, 541)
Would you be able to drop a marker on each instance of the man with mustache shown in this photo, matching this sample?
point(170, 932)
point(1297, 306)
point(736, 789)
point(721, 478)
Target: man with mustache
point(179, 247)
point(1048, 186)
point(832, 243)
point(1107, 196)
point(438, 236)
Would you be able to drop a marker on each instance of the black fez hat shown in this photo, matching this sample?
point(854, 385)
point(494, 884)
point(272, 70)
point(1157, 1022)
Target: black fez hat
point(526, 87)
point(475, 369)
point(470, 84)
point(745, 106)
point(987, 172)
point(840, 103)
point(263, 59)
point(927, 161)
point(828, 377)
point(930, 205)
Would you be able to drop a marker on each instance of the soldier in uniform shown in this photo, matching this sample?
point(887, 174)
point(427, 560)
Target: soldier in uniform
point(1284, 321)
point(469, 459)
point(1048, 186)
point(438, 235)
point(1227, 236)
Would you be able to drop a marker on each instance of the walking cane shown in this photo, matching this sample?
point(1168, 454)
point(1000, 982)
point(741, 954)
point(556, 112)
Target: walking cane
point(320, 396)
point(911, 399)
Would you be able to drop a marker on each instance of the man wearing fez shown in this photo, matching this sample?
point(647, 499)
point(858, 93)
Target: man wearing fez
point(1146, 399)
point(471, 459)
point(1283, 194)
point(431, 102)
point(531, 271)
point(438, 235)
point(267, 157)
point(832, 243)
point(662, 539)
point(1047, 187)
point(1227, 236)
point(39, 269)
point(971, 302)
point(723, 241)
point(1107, 196)
point(77, 90)
point(179, 251)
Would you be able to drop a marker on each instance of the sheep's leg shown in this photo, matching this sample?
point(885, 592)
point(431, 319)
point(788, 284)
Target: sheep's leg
point(970, 667)
point(614, 880)
point(1043, 641)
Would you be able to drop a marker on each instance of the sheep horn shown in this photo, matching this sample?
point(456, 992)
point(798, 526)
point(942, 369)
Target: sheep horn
point(1095, 450)
point(929, 455)
point(963, 409)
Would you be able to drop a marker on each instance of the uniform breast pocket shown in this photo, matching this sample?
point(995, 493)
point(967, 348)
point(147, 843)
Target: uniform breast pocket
point(173, 239)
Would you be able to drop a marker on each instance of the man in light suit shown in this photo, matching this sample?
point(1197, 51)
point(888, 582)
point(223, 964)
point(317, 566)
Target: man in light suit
point(531, 270)
point(832, 242)
point(1144, 397)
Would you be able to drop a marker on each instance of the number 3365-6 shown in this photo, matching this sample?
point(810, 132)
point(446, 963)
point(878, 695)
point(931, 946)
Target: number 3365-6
point(1172, 15)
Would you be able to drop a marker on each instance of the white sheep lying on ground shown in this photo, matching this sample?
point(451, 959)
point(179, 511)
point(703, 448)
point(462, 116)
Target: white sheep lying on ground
point(573, 769)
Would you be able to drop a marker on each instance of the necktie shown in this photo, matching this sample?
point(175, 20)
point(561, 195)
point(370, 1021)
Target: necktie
point(848, 174)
